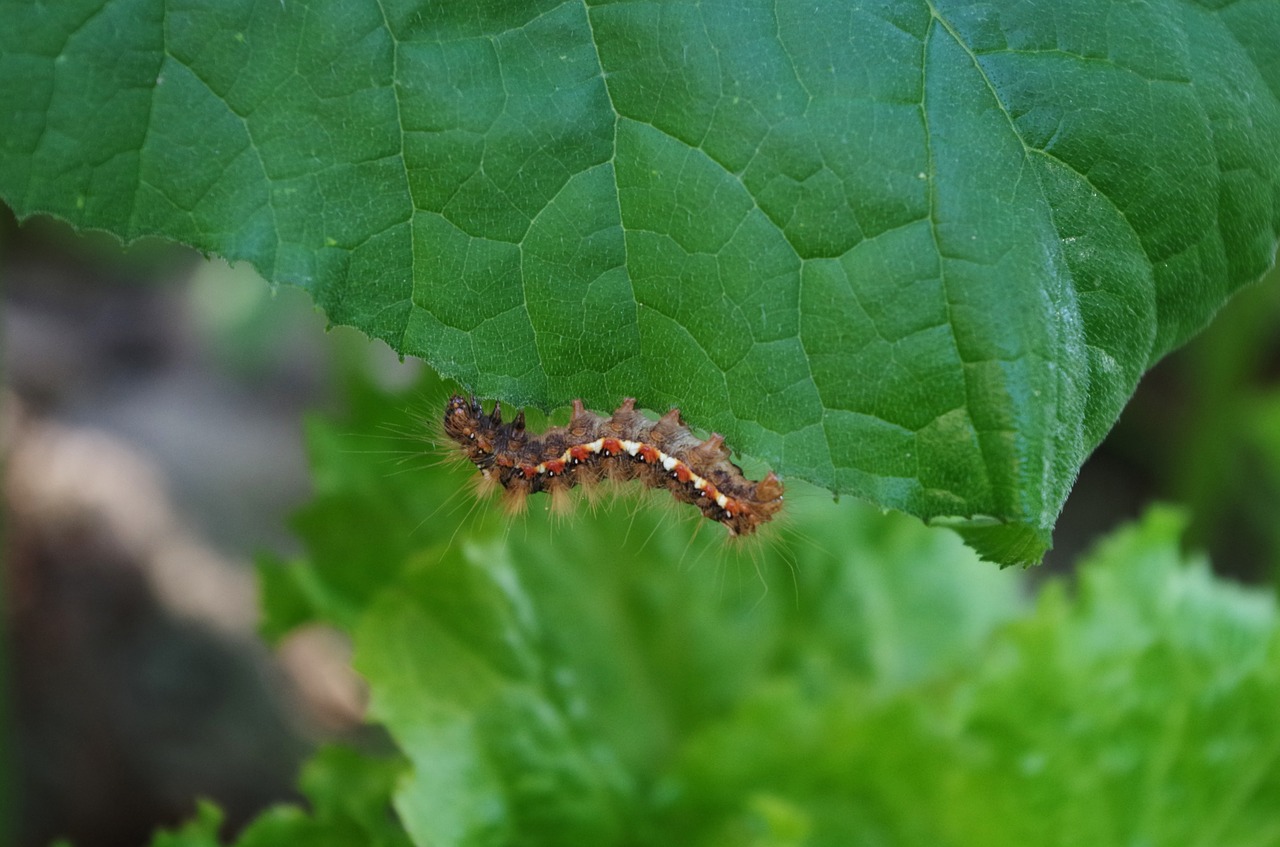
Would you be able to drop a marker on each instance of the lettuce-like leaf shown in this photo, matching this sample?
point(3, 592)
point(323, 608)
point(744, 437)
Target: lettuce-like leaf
point(620, 677)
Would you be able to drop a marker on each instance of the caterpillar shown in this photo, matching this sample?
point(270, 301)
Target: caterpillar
point(626, 445)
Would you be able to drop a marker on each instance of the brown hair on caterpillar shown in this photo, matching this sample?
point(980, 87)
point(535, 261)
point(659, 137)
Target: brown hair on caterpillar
point(626, 445)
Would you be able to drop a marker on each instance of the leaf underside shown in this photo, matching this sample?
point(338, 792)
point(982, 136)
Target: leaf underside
point(920, 252)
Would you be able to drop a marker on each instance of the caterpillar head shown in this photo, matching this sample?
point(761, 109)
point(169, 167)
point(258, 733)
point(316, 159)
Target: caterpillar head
point(479, 434)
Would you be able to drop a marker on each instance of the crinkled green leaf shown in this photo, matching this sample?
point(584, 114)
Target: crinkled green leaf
point(383, 490)
point(350, 806)
point(200, 832)
point(542, 677)
point(618, 677)
point(544, 688)
point(916, 251)
point(350, 798)
point(385, 495)
point(1140, 712)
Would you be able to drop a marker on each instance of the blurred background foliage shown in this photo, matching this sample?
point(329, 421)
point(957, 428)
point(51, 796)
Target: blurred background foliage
point(1204, 431)
point(616, 677)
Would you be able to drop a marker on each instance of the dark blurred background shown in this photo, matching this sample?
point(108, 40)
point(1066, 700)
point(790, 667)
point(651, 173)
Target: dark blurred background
point(152, 431)
point(151, 425)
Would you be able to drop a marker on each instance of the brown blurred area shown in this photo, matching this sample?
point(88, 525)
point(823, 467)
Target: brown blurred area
point(151, 423)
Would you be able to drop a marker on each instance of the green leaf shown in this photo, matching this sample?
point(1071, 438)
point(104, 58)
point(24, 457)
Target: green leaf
point(200, 832)
point(543, 680)
point(544, 690)
point(916, 251)
point(618, 677)
point(383, 491)
point(350, 798)
point(1140, 712)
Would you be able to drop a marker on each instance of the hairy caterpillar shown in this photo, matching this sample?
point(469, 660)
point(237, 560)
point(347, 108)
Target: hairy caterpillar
point(625, 445)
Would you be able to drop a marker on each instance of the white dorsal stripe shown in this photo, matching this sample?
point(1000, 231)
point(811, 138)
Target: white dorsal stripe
point(669, 463)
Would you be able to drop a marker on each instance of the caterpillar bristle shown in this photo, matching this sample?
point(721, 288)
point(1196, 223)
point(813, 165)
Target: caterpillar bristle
point(485, 485)
point(589, 485)
point(515, 501)
point(561, 501)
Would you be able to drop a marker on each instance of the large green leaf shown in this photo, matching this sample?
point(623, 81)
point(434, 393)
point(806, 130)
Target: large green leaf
point(918, 251)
